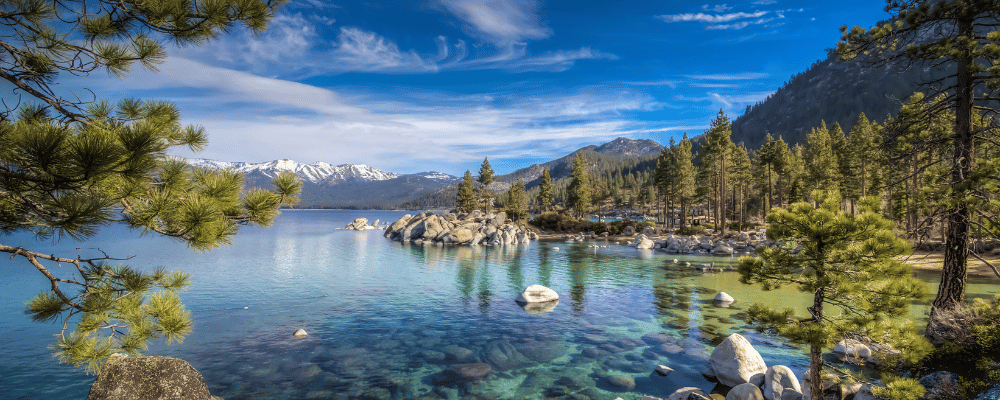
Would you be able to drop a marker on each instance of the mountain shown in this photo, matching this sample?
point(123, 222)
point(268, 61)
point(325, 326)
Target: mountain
point(833, 91)
point(621, 154)
point(339, 186)
point(629, 148)
point(618, 149)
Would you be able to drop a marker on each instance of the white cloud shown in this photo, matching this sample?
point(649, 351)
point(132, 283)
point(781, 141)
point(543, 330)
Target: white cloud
point(729, 77)
point(716, 8)
point(293, 47)
point(741, 24)
point(359, 50)
point(710, 18)
point(764, 2)
point(267, 118)
point(500, 21)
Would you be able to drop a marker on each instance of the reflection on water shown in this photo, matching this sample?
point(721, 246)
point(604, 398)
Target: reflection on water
point(401, 321)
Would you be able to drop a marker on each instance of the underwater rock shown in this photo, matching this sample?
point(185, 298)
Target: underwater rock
point(470, 371)
point(621, 382)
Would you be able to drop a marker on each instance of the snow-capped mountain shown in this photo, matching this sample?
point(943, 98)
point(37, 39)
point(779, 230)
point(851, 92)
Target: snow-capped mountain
point(316, 172)
point(326, 185)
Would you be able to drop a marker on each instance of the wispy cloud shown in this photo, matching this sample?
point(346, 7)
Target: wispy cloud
point(662, 82)
point(729, 77)
point(764, 2)
point(716, 8)
point(741, 24)
point(293, 47)
point(710, 18)
point(499, 21)
point(268, 118)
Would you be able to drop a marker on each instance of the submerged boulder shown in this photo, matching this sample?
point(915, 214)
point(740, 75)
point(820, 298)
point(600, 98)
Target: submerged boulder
point(149, 378)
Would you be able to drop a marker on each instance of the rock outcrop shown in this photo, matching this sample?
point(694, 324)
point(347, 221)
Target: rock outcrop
point(149, 378)
point(471, 229)
point(360, 224)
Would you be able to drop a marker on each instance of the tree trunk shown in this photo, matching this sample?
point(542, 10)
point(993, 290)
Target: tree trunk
point(951, 291)
point(816, 349)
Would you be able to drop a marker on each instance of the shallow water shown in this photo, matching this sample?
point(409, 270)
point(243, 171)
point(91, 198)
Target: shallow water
point(385, 320)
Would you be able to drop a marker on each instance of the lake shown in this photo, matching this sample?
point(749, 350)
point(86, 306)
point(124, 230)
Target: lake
point(385, 320)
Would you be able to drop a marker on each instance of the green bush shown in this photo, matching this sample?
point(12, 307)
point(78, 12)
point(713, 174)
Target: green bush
point(691, 230)
point(618, 227)
point(560, 222)
point(975, 353)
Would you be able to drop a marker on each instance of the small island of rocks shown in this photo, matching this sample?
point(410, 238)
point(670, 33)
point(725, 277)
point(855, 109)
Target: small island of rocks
point(472, 229)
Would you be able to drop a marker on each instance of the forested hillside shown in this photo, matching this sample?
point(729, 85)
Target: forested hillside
point(831, 90)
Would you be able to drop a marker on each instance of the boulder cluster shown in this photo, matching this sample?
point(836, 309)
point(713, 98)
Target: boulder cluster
point(736, 365)
point(745, 242)
point(474, 228)
point(361, 224)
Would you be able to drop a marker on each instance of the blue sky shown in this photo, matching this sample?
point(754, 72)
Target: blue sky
point(437, 85)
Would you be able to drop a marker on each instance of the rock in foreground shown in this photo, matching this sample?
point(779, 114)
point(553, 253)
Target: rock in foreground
point(736, 362)
point(149, 378)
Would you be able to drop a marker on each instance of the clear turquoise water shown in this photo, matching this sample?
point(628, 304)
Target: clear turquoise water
point(385, 319)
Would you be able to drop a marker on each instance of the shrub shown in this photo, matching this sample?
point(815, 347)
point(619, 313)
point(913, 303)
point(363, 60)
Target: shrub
point(691, 230)
point(558, 221)
point(974, 352)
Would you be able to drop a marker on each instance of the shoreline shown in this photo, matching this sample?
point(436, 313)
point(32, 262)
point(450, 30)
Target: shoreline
point(923, 260)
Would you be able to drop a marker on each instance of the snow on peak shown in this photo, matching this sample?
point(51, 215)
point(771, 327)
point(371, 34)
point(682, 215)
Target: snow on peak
point(315, 172)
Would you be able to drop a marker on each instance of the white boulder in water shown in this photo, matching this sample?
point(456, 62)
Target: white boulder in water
point(301, 333)
point(735, 362)
point(724, 297)
point(537, 294)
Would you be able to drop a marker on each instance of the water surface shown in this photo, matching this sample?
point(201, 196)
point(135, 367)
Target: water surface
point(386, 320)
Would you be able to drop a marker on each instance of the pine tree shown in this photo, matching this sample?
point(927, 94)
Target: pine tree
point(768, 157)
point(664, 177)
point(821, 162)
point(579, 191)
point(517, 202)
point(545, 192)
point(718, 147)
point(69, 167)
point(468, 197)
point(838, 141)
point(789, 168)
point(685, 186)
point(933, 34)
point(485, 179)
point(862, 159)
point(740, 177)
point(847, 262)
